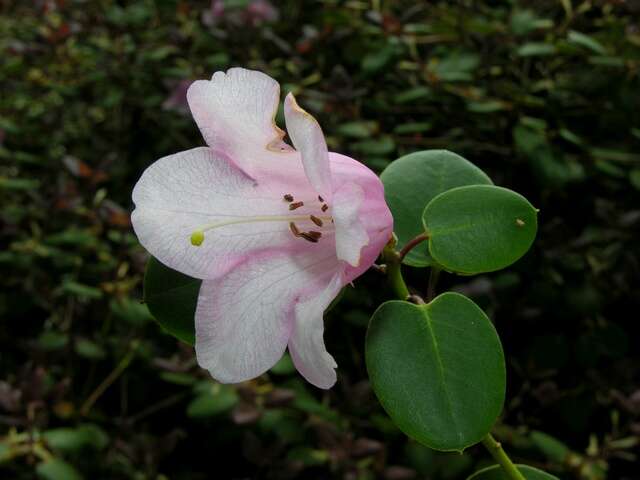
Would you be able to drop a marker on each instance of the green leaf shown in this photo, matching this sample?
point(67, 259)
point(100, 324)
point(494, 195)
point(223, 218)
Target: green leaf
point(536, 50)
point(634, 178)
point(375, 146)
point(496, 473)
point(412, 127)
point(413, 95)
point(437, 369)
point(75, 439)
point(552, 448)
point(213, 399)
point(80, 290)
point(172, 297)
point(412, 181)
point(479, 228)
point(89, 349)
point(379, 58)
point(586, 41)
point(458, 66)
point(52, 340)
point(362, 129)
point(57, 469)
point(132, 311)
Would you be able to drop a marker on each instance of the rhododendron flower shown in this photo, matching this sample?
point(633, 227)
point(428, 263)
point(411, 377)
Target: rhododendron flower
point(273, 232)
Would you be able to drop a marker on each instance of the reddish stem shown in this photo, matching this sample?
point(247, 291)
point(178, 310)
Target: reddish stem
point(411, 244)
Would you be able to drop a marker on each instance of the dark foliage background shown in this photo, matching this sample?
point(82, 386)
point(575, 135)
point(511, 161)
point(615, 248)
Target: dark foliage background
point(544, 95)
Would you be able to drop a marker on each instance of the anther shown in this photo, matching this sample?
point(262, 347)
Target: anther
point(324, 207)
point(288, 197)
point(316, 220)
point(197, 238)
point(295, 205)
point(309, 237)
point(314, 234)
point(320, 198)
point(294, 229)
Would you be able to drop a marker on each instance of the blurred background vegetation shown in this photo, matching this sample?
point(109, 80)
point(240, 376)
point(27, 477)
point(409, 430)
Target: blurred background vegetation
point(544, 95)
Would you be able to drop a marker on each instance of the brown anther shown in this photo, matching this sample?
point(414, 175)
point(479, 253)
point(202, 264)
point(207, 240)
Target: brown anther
point(324, 207)
point(314, 234)
point(316, 220)
point(320, 198)
point(310, 238)
point(288, 197)
point(294, 229)
point(295, 205)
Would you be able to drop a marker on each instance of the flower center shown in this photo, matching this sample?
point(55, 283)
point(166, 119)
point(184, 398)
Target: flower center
point(313, 236)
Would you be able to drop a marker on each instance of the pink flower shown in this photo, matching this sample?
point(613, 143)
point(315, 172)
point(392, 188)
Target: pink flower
point(274, 232)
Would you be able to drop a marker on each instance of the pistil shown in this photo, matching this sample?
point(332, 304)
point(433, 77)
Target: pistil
point(198, 235)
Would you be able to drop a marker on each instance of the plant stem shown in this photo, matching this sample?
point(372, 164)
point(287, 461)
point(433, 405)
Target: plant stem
point(112, 377)
point(412, 243)
point(433, 281)
point(500, 456)
point(394, 274)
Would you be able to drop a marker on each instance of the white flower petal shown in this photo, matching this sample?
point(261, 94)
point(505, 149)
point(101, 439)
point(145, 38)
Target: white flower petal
point(185, 192)
point(306, 345)
point(351, 234)
point(244, 319)
point(235, 112)
point(308, 139)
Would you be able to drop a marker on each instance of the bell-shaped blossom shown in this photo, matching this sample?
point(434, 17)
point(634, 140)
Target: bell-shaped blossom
point(274, 232)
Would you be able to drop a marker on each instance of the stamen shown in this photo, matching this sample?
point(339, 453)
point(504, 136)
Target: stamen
point(310, 238)
point(288, 197)
point(294, 229)
point(314, 234)
point(316, 220)
point(295, 205)
point(324, 207)
point(320, 198)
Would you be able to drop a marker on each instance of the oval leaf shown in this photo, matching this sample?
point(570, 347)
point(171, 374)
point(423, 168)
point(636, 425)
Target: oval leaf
point(437, 369)
point(496, 473)
point(56, 469)
point(172, 298)
point(479, 228)
point(412, 181)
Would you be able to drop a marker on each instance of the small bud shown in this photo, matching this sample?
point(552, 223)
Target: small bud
point(197, 238)
point(520, 222)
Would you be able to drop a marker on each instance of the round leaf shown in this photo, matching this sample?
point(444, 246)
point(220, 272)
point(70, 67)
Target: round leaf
point(479, 228)
point(437, 369)
point(172, 298)
point(412, 181)
point(496, 473)
point(56, 469)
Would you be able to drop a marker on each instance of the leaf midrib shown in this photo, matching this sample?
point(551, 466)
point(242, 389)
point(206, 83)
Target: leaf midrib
point(441, 372)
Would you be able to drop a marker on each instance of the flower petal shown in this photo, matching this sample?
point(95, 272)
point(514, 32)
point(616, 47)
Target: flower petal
point(244, 319)
point(185, 192)
point(308, 139)
point(235, 112)
point(306, 345)
point(351, 234)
